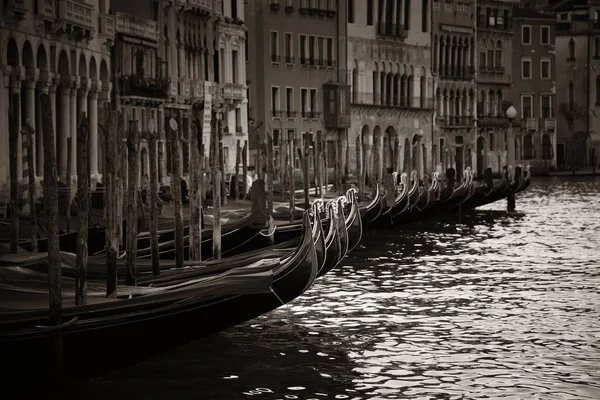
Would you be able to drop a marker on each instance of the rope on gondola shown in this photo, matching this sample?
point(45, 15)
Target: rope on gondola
point(272, 232)
point(289, 316)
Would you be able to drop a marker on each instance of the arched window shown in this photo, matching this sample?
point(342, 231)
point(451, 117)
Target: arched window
point(598, 90)
point(572, 50)
point(498, 54)
point(482, 54)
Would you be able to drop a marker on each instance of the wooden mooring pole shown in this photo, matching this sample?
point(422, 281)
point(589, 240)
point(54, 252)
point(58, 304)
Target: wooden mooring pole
point(317, 162)
point(133, 169)
point(51, 211)
point(68, 182)
point(32, 192)
point(111, 199)
point(291, 175)
point(176, 191)
point(304, 161)
point(195, 193)
point(151, 138)
point(216, 186)
point(83, 199)
point(13, 115)
point(245, 167)
point(270, 173)
point(236, 183)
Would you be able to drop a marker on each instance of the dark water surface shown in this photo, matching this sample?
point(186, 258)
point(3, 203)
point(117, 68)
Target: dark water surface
point(483, 306)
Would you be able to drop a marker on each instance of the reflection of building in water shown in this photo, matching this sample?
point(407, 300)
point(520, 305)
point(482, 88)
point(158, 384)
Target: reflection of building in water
point(62, 48)
point(389, 69)
point(577, 84)
point(533, 92)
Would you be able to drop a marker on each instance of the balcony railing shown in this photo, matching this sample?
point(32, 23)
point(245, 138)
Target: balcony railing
point(140, 86)
point(16, 6)
point(185, 88)
point(550, 124)
point(46, 9)
point(371, 99)
point(391, 30)
point(233, 91)
point(106, 23)
point(275, 58)
point(137, 27)
point(492, 122)
point(289, 60)
point(76, 13)
point(205, 5)
point(531, 124)
point(310, 114)
point(337, 121)
point(291, 114)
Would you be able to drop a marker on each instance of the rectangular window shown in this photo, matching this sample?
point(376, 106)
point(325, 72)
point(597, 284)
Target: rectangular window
point(304, 99)
point(235, 67)
point(546, 104)
point(498, 58)
point(526, 68)
point(545, 69)
point(350, 11)
point(302, 49)
point(330, 52)
point(370, 12)
point(238, 120)
point(288, 49)
point(276, 137)
point(545, 35)
point(311, 50)
point(442, 144)
point(274, 100)
point(313, 101)
point(234, 10)
point(321, 51)
point(526, 34)
point(289, 101)
point(526, 106)
point(274, 46)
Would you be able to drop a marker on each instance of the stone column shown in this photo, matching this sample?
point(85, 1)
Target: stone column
point(92, 110)
point(52, 92)
point(399, 155)
point(30, 116)
point(441, 55)
point(64, 98)
point(73, 115)
point(43, 88)
point(15, 88)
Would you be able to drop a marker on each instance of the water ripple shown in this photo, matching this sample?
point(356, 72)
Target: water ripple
point(484, 305)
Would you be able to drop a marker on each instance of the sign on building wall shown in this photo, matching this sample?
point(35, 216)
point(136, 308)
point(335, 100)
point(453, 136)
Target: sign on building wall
point(207, 116)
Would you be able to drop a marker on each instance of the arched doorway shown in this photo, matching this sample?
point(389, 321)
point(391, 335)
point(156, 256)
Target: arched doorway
point(377, 154)
point(362, 161)
point(389, 149)
point(480, 157)
point(407, 156)
point(459, 158)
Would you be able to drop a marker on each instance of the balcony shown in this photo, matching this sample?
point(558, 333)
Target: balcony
point(174, 88)
point(391, 30)
point(139, 86)
point(233, 92)
point(185, 89)
point(136, 27)
point(492, 122)
point(290, 114)
point(46, 10)
point(16, 7)
point(531, 124)
point(106, 24)
point(197, 88)
point(550, 124)
point(76, 14)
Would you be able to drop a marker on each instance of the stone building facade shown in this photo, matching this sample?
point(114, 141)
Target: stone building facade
point(389, 70)
point(534, 88)
point(62, 48)
point(454, 60)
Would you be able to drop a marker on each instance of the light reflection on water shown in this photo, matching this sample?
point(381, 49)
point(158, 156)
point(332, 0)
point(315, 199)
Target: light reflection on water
point(489, 305)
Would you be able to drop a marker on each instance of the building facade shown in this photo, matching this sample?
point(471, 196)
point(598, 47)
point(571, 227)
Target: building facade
point(454, 60)
point(389, 70)
point(534, 87)
point(577, 84)
point(495, 30)
point(202, 51)
point(294, 53)
point(61, 48)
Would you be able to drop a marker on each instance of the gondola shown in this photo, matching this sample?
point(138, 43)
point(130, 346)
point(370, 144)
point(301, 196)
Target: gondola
point(336, 241)
point(371, 210)
point(488, 192)
point(353, 221)
point(428, 199)
point(106, 334)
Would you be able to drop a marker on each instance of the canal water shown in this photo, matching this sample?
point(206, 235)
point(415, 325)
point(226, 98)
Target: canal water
point(482, 306)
